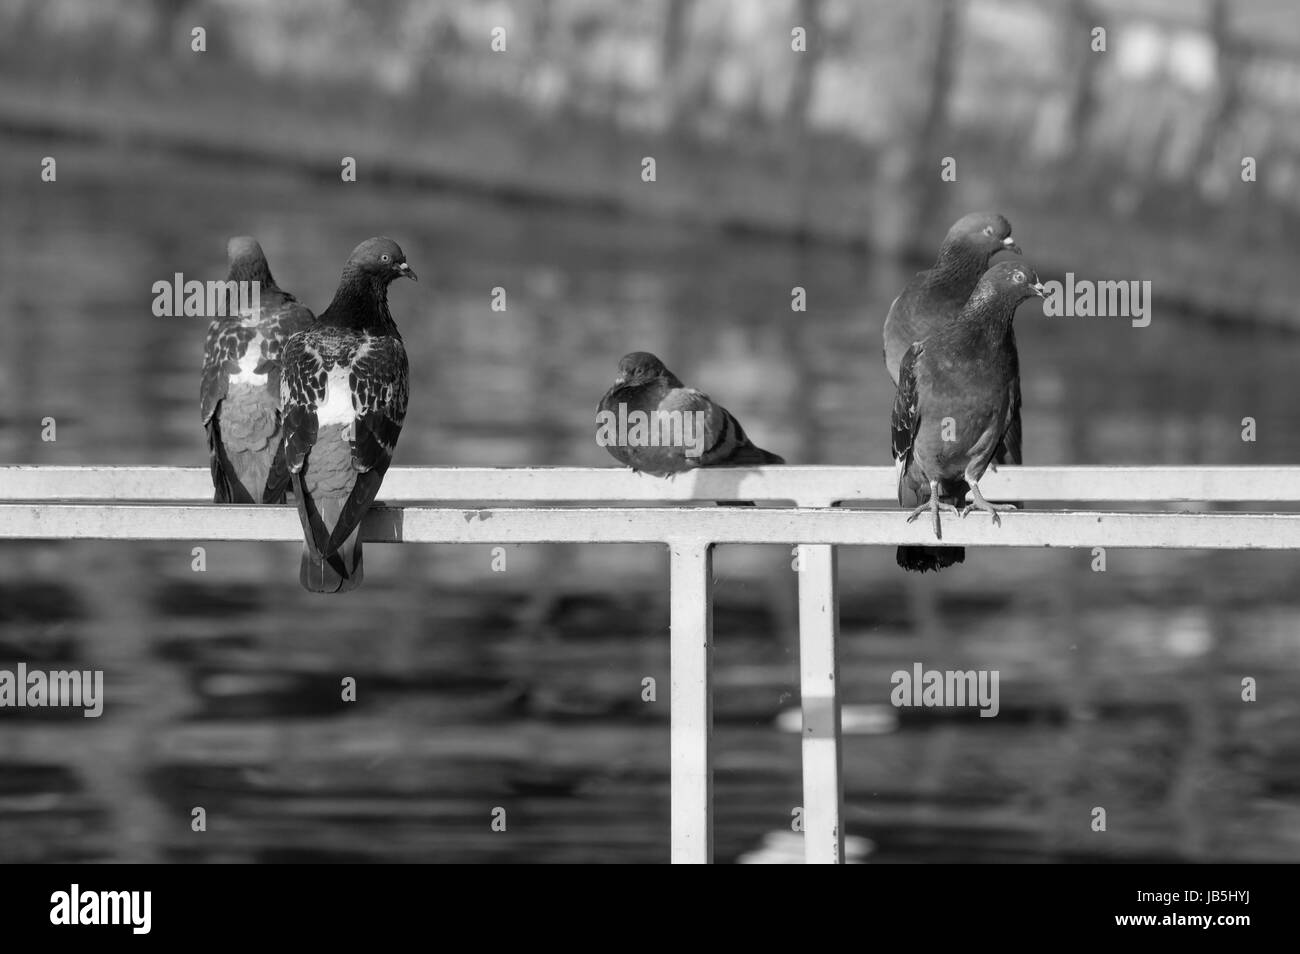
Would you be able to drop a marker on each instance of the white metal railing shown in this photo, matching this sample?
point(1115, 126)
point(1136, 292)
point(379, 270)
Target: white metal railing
point(160, 503)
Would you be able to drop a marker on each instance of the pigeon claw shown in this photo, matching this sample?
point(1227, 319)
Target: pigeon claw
point(979, 503)
point(933, 506)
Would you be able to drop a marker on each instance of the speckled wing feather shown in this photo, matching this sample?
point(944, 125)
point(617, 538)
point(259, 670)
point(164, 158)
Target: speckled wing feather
point(906, 416)
point(302, 388)
point(378, 379)
point(379, 394)
point(281, 320)
point(225, 344)
point(283, 316)
point(287, 319)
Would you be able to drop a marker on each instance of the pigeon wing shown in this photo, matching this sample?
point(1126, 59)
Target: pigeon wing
point(906, 417)
point(220, 357)
point(901, 324)
point(905, 420)
point(287, 319)
point(379, 393)
point(302, 388)
point(1008, 451)
point(222, 349)
point(718, 435)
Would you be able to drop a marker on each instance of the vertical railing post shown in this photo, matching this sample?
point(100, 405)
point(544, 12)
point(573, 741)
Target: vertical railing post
point(691, 695)
point(819, 677)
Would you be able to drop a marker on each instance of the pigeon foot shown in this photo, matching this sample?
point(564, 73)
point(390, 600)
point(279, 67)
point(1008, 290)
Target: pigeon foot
point(933, 506)
point(979, 503)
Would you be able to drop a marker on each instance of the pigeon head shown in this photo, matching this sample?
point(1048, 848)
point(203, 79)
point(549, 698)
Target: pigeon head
point(247, 260)
point(639, 367)
point(379, 259)
point(981, 233)
point(1011, 282)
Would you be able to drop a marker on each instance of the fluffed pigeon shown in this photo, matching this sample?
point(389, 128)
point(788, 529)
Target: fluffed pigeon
point(684, 428)
point(958, 392)
point(936, 296)
point(240, 389)
point(344, 392)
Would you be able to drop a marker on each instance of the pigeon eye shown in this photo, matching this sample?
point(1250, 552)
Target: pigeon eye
point(988, 230)
point(1019, 278)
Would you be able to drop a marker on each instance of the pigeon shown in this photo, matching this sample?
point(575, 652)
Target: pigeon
point(958, 393)
point(654, 424)
point(935, 297)
point(240, 390)
point(343, 390)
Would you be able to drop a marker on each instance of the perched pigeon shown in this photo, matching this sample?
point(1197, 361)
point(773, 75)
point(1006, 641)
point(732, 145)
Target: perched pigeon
point(958, 392)
point(343, 391)
point(240, 391)
point(935, 297)
point(683, 429)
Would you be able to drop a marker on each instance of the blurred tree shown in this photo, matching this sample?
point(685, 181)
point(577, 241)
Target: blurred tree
point(672, 52)
point(927, 199)
point(808, 16)
point(173, 20)
point(1230, 62)
point(1077, 20)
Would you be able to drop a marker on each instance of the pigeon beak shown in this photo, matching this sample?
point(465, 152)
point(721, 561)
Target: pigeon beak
point(407, 271)
point(620, 380)
point(1039, 290)
point(1010, 245)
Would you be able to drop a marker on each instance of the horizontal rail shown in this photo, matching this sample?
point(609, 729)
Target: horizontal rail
point(809, 486)
point(671, 525)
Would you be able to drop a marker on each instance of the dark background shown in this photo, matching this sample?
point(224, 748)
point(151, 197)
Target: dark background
point(522, 170)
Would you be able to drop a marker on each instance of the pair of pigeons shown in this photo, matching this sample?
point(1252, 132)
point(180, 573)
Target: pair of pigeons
point(316, 402)
point(950, 349)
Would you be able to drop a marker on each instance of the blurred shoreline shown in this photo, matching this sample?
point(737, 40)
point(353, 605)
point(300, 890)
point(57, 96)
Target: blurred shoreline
point(532, 130)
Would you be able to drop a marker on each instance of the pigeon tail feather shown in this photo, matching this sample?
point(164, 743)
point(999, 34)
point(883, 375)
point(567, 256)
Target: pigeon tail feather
point(339, 570)
point(249, 474)
point(320, 574)
point(921, 559)
point(751, 456)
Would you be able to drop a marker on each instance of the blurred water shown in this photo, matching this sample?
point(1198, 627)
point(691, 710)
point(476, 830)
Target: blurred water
point(522, 689)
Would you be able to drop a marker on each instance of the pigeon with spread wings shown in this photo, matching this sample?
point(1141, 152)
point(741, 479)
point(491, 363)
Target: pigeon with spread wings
point(344, 392)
